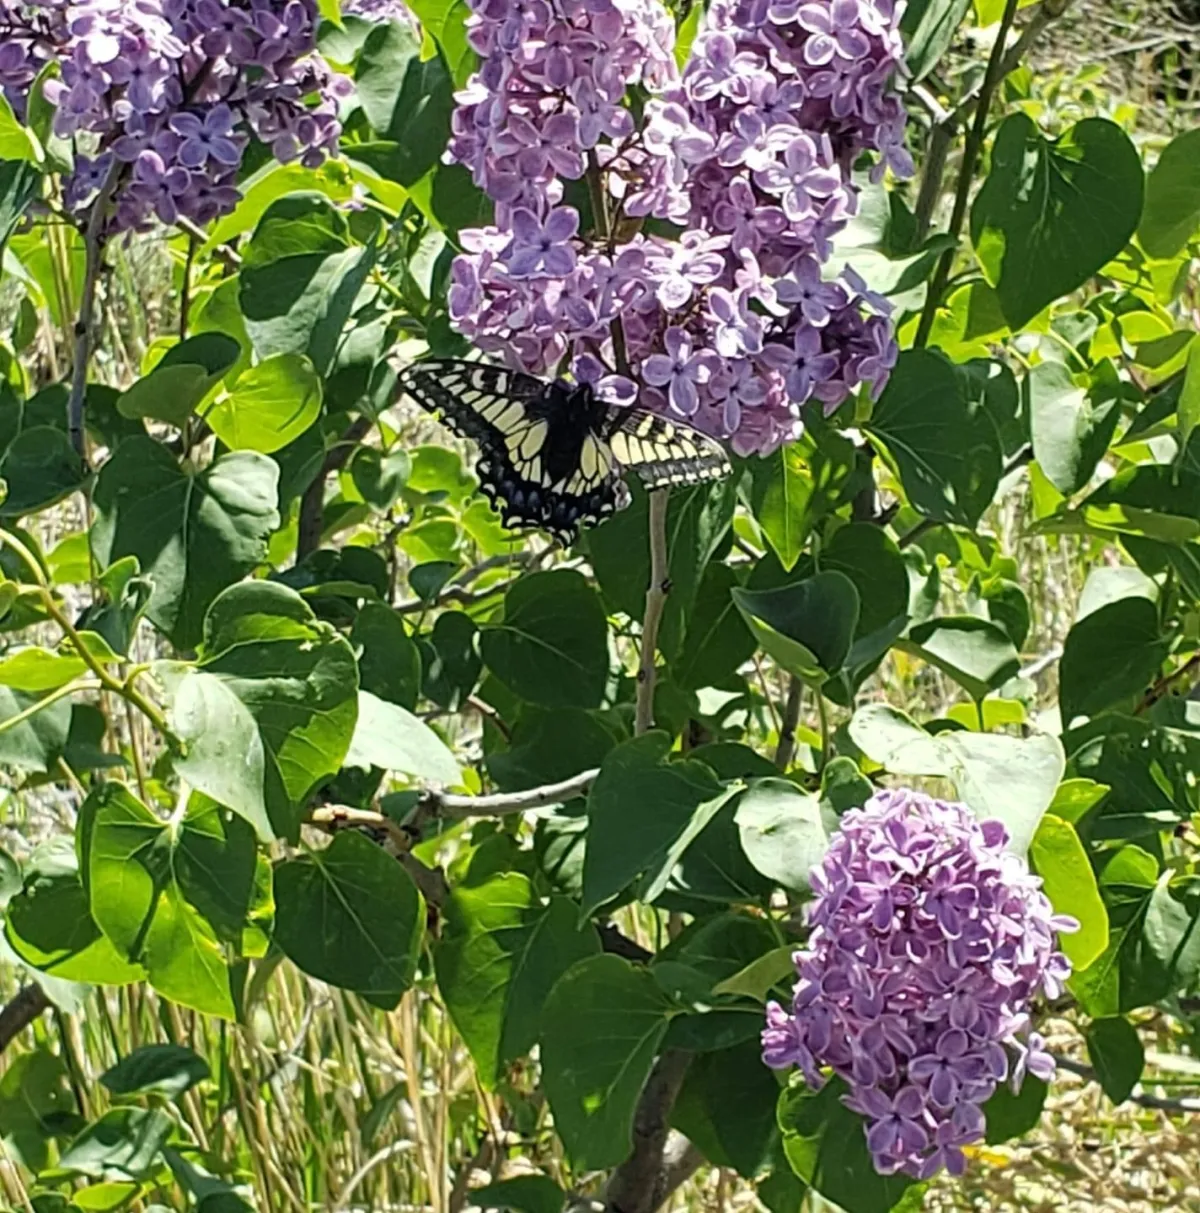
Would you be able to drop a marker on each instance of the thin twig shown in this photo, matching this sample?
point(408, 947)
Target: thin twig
point(312, 503)
point(434, 804)
point(786, 749)
point(1138, 1095)
point(24, 1007)
point(656, 601)
point(185, 296)
point(93, 241)
point(445, 804)
point(1167, 683)
point(966, 174)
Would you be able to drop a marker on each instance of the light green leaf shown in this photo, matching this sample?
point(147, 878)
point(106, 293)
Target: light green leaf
point(222, 752)
point(1172, 212)
point(269, 405)
point(173, 896)
point(388, 736)
point(1068, 880)
point(783, 831)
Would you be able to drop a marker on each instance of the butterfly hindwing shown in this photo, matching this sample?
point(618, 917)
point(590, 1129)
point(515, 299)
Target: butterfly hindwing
point(540, 460)
point(661, 453)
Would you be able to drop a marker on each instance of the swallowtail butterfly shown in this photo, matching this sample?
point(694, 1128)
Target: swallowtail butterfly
point(551, 454)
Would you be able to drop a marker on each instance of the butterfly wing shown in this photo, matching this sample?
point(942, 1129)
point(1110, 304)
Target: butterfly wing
point(538, 460)
point(662, 453)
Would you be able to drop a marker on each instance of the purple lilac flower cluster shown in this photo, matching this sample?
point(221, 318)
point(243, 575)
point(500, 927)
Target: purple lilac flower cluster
point(161, 96)
point(748, 152)
point(929, 943)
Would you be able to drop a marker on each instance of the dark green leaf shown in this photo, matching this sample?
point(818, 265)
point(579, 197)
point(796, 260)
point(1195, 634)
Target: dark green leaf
point(1010, 1115)
point(807, 626)
point(977, 654)
point(193, 534)
point(1110, 656)
point(450, 660)
point(300, 281)
point(1172, 212)
point(641, 811)
point(727, 1107)
point(551, 648)
point(500, 952)
point(716, 640)
point(40, 468)
point(19, 184)
point(995, 386)
point(50, 926)
point(929, 27)
point(521, 1194)
point(379, 477)
point(698, 521)
point(1115, 1050)
point(407, 100)
point(826, 1144)
point(601, 1028)
point(389, 663)
point(792, 488)
point(1050, 215)
point(350, 916)
point(550, 746)
point(37, 743)
point(162, 1069)
point(123, 1144)
point(35, 1090)
point(944, 444)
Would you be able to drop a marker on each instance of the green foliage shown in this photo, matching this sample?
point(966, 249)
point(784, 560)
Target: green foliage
point(267, 639)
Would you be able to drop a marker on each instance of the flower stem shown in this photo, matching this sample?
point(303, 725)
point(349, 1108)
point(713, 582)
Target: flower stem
point(966, 174)
point(94, 258)
point(656, 601)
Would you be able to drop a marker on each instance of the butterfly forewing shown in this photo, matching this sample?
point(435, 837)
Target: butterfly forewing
point(539, 458)
point(661, 453)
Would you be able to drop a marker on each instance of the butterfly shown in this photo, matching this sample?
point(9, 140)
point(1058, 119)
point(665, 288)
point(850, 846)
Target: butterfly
point(551, 453)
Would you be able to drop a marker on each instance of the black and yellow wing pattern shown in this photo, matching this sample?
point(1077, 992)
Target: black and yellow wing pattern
point(551, 454)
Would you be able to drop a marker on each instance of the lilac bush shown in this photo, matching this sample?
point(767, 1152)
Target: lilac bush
point(929, 943)
point(161, 97)
point(747, 152)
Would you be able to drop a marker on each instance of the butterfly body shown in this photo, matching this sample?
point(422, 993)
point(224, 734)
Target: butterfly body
point(551, 454)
